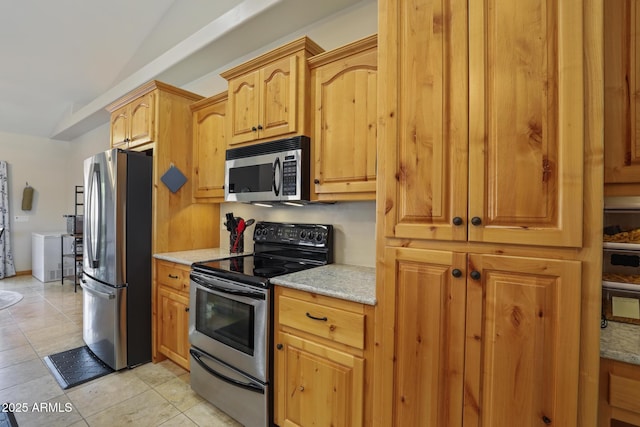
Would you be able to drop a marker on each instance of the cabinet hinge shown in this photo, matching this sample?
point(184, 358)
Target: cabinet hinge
point(627, 158)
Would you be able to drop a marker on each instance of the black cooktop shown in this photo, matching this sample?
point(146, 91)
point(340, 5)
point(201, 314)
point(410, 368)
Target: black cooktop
point(280, 249)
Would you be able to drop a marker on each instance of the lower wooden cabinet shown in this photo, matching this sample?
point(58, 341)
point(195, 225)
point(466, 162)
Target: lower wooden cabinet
point(322, 375)
point(480, 340)
point(171, 313)
point(619, 394)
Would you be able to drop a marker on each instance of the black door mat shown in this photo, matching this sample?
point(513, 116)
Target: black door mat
point(7, 419)
point(77, 366)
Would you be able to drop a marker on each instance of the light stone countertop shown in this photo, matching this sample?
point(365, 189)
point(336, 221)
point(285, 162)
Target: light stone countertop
point(348, 282)
point(620, 341)
point(196, 255)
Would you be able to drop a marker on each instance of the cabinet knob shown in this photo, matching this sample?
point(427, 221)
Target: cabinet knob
point(186, 309)
point(260, 127)
point(546, 420)
point(457, 220)
point(476, 220)
point(316, 181)
point(254, 129)
point(456, 272)
point(475, 275)
point(279, 346)
point(301, 388)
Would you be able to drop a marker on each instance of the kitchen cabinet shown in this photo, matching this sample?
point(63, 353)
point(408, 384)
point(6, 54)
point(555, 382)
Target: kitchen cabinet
point(322, 375)
point(516, 177)
point(178, 224)
point(172, 332)
point(268, 94)
point(488, 342)
point(209, 146)
point(619, 394)
point(488, 210)
point(133, 124)
point(622, 92)
point(344, 105)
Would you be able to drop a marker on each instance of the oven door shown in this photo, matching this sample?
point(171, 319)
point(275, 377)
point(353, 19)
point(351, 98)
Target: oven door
point(230, 321)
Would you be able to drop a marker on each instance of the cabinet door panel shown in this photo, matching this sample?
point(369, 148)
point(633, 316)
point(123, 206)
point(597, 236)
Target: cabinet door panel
point(142, 120)
point(622, 91)
point(429, 336)
point(278, 97)
point(523, 343)
point(119, 126)
point(243, 96)
point(317, 385)
point(209, 151)
point(173, 328)
point(526, 121)
point(425, 137)
point(345, 104)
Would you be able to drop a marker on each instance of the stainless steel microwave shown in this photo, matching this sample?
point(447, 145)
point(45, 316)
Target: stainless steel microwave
point(274, 171)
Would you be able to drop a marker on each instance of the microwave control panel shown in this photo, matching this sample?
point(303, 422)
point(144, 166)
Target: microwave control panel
point(289, 176)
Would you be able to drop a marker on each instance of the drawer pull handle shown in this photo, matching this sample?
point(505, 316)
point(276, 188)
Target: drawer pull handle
point(171, 276)
point(323, 319)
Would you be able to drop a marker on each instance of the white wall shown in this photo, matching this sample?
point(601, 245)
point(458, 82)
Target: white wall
point(43, 164)
point(53, 168)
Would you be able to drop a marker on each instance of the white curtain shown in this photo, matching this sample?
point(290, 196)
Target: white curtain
point(7, 267)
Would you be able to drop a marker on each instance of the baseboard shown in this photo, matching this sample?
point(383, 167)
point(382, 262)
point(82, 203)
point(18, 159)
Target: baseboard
point(24, 273)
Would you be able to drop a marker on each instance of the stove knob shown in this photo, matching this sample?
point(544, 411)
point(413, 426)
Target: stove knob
point(303, 234)
point(319, 238)
point(312, 235)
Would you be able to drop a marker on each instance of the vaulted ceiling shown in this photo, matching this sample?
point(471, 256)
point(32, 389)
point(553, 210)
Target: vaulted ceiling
point(63, 61)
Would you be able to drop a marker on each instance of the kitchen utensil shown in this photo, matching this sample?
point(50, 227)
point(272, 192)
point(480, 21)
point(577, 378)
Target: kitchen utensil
point(239, 234)
point(249, 223)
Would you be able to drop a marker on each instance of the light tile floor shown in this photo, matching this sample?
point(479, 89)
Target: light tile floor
point(49, 320)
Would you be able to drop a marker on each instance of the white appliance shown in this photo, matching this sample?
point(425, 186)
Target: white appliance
point(46, 256)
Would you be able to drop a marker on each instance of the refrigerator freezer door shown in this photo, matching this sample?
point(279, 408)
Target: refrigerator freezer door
point(104, 315)
point(105, 193)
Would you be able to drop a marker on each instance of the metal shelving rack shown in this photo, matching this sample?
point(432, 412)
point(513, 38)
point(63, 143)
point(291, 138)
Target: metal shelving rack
point(75, 238)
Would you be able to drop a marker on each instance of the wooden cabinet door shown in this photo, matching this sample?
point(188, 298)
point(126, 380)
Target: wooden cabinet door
point(345, 131)
point(119, 128)
point(317, 385)
point(173, 328)
point(142, 122)
point(427, 306)
point(522, 342)
point(424, 138)
point(277, 109)
point(243, 107)
point(622, 91)
point(526, 122)
point(209, 145)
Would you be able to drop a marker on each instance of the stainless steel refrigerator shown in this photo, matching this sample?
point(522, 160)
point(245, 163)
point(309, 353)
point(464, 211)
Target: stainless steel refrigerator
point(116, 278)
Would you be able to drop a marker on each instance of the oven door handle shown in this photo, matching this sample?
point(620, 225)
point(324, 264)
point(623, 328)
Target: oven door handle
point(247, 386)
point(246, 294)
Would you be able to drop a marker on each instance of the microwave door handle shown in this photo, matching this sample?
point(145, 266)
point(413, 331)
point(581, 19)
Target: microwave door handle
point(277, 172)
point(247, 386)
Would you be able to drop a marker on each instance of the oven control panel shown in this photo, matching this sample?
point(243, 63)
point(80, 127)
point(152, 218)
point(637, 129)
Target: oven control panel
point(297, 234)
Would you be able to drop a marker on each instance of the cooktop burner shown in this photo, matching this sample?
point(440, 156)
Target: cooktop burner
point(279, 249)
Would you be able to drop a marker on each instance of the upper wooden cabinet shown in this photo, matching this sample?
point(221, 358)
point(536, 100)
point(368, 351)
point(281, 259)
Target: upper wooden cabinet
point(622, 91)
point(209, 146)
point(488, 149)
point(134, 123)
point(344, 105)
point(268, 95)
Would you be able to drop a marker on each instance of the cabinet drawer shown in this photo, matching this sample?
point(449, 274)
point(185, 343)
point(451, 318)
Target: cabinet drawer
point(327, 322)
point(624, 393)
point(173, 276)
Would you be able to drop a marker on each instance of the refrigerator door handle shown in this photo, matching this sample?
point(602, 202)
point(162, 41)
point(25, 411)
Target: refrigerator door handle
point(94, 201)
point(104, 295)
